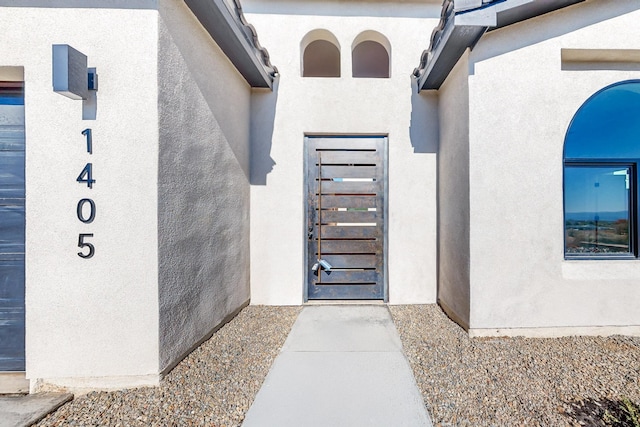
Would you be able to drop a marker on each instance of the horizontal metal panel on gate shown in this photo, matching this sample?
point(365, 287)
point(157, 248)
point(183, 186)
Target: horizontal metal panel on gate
point(349, 216)
point(339, 232)
point(350, 276)
point(334, 172)
point(349, 247)
point(344, 291)
point(357, 202)
point(352, 261)
point(338, 144)
point(350, 158)
point(350, 187)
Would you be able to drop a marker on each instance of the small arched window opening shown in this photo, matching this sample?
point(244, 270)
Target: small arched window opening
point(320, 55)
point(601, 157)
point(370, 59)
point(370, 55)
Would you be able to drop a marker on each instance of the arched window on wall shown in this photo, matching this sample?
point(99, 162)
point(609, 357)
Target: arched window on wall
point(370, 55)
point(320, 54)
point(601, 157)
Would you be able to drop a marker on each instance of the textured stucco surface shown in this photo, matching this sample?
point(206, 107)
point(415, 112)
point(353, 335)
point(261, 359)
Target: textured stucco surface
point(199, 179)
point(522, 99)
point(342, 106)
point(453, 193)
point(89, 321)
point(203, 184)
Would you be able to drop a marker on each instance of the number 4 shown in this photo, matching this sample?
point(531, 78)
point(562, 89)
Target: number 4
point(86, 175)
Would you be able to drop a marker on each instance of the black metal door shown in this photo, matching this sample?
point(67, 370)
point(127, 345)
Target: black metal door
point(346, 186)
point(12, 224)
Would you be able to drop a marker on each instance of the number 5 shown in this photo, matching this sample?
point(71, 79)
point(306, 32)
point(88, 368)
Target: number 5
point(82, 244)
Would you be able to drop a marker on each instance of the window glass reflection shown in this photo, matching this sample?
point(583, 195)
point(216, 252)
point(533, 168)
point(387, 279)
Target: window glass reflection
point(597, 215)
point(607, 125)
point(11, 120)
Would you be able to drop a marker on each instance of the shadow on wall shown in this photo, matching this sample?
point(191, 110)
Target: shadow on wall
point(424, 129)
point(84, 4)
point(90, 106)
point(218, 82)
point(376, 8)
point(560, 23)
point(263, 113)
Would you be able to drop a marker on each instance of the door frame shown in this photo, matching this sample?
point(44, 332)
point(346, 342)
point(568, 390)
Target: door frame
point(385, 225)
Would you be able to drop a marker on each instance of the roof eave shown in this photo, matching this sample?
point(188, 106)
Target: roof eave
point(529, 9)
point(236, 38)
point(463, 28)
point(449, 51)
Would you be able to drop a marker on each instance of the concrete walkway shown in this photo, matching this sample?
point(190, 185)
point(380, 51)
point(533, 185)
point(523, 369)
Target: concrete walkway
point(23, 411)
point(340, 366)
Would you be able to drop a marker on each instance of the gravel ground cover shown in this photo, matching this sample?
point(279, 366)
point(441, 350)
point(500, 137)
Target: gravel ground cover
point(213, 386)
point(514, 381)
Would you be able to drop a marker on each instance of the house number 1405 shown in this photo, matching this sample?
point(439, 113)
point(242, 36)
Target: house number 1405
point(86, 209)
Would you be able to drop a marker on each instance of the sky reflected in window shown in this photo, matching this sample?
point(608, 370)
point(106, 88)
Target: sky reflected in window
point(597, 214)
point(596, 190)
point(602, 149)
point(607, 126)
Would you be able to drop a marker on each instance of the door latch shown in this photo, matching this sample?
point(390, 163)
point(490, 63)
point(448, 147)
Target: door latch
point(321, 265)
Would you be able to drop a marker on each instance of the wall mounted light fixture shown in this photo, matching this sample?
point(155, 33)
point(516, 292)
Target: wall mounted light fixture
point(71, 77)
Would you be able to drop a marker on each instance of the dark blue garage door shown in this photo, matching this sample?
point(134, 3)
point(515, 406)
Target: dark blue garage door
point(12, 224)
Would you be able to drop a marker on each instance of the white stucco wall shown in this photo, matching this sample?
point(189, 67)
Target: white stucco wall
point(453, 193)
point(521, 103)
point(203, 193)
point(342, 106)
point(90, 322)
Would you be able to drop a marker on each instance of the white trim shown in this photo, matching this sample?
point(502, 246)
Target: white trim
point(13, 382)
point(600, 55)
point(84, 385)
point(556, 332)
point(11, 74)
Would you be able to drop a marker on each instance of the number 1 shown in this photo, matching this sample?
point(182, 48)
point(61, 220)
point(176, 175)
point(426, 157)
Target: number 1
point(87, 133)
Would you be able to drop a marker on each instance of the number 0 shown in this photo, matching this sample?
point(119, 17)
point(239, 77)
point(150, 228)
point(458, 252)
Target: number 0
point(92, 211)
point(82, 244)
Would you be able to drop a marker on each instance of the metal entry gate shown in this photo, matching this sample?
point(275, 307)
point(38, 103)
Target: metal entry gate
point(346, 211)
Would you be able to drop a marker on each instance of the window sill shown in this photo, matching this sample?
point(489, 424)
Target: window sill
point(603, 257)
point(617, 268)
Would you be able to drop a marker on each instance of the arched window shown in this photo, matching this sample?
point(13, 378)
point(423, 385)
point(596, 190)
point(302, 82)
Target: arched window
point(370, 55)
point(320, 55)
point(601, 157)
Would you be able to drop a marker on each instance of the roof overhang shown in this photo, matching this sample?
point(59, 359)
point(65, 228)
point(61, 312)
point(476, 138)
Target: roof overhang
point(462, 24)
point(238, 40)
